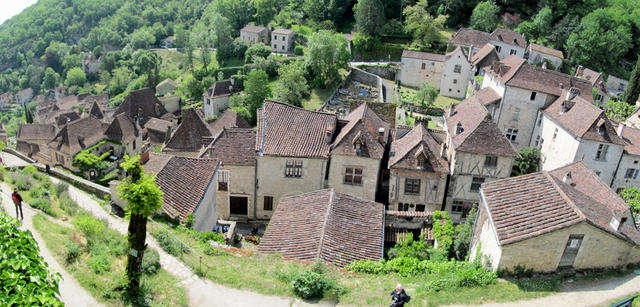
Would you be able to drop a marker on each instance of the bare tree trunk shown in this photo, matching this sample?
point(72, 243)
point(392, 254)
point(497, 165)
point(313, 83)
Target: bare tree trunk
point(137, 238)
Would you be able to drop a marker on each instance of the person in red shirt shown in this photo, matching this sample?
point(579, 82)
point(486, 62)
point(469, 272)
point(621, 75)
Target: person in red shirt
point(17, 200)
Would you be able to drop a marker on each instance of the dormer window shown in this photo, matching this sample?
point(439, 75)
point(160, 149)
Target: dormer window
point(601, 129)
point(357, 146)
point(422, 161)
point(459, 128)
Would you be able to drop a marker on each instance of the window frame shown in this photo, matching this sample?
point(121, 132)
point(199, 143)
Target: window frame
point(412, 186)
point(533, 96)
point(512, 134)
point(351, 176)
point(457, 69)
point(457, 206)
point(476, 182)
point(293, 169)
point(631, 173)
point(223, 180)
point(265, 202)
point(601, 152)
point(491, 161)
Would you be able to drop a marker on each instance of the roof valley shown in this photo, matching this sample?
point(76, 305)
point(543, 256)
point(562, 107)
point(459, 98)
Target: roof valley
point(324, 224)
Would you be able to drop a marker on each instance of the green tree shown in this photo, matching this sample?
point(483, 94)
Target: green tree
point(143, 197)
point(119, 80)
point(146, 62)
point(539, 27)
point(87, 161)
point(238, 103)
point(604, 37)
point(292, 86)
point(527, 163)
point(424, 28)
point(632, 197)
point(50, 79)
point(562, 30)
point(257, 88)
point(484, 17)
point(619, 110)
point(369, 16)
point(141, 39)
point(258, 50)
point(326, 54)
point(426, 94)
point(71, 61)
point(443, 232)
point(239, 12)
point(464, 231)
point(633, 89)
point(76, 76)
point(265, 11)
point(28, 114)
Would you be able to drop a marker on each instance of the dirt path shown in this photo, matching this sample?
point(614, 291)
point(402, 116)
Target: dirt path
point(71, 293)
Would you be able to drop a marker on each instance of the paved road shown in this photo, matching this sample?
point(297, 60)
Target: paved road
point(71, 293)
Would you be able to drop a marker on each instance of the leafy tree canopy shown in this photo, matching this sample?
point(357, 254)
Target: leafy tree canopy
point(484, 17)
point(527, 163)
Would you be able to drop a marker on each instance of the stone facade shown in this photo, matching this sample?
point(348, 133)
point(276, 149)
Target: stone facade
point(627, 175)
point(205, 214)
point(414, 72)
point(616, 86)
point(254, 34)
point(455, 75)
point(272, 182)
point(282, 40)
point(538, 56)
point(240, 184)
point(370, 174)
point(431, 195)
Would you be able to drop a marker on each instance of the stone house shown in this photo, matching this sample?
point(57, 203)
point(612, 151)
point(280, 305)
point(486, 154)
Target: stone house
point(24, 96)
point(597, 81)
point(171, 103)
point(194, 132)
point(626, 175)
point(5, 99)
point(73, 138)
point(125, 134)
point(158, 131)
point(167, 86)
point(485, 57)
point(539, 54)
point(418, 177)
point(477, 152)
point(524, 90)
point(31, 137)
point(357, 152)
point(282, 40)
point(189, 186)
point(633, 120)
point(449, 73)
point(216, 99)
point(617, 86)
point(567, 218)
point(326, 226)
point(235, 149)
point(253, 34)
point(141, 105)
point(572, 129)
point(293, 146)
point(506, 42)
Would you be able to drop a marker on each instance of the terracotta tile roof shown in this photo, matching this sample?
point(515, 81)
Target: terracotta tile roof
point(364, 125)
point(184, 181)
point(142, 101)
point(283, 31)
point(28, 132)
point(386, 111)
point(408, 213)
point(594, 77)
point(583, 119)
point(78, 135)
point(527, 206)
point(122, 129)
point(479, 134)
point(221, 88)
point(253, 29)
point(288, 131)
point(158, 125)
point(632, 138)
point(234, 146)
point(405, 152)
point(514, 71)
point(486, 50)
point(469, 37)
point(229, 119)
point(546, 50)
point(487, 96)
point(192, 133)
point(325, 225)
point(508, 37)
point(62, 118)
point(423, 55)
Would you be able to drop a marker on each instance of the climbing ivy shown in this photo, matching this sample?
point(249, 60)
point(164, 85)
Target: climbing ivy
point(443, 231)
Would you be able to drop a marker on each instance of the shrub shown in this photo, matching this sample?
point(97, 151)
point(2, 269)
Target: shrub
point(117, 243)
point(67, 204)
point(190, 220)
point(169, 244)
point(205, 237)
point(31, 171)
point(89, 226)
point(211, 251)
point(314, 285)
point(60, 188)
point(20, 181)
point(151, 261)
point(100, 263)
point(73, 249)
point(43, 204)
point(298, 50)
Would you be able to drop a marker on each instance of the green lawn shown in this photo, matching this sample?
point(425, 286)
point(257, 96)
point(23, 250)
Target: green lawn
point(442, 102)
point(320, 95)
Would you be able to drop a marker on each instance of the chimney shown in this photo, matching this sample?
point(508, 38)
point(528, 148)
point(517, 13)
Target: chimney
point(573, 92)
point(579, 70)
point(452, 110)
point(144, 157)
point(620, 129)
point(616, 223)
point(328, 135)
point(544, 65)
point(568, 179)
point(381, 135)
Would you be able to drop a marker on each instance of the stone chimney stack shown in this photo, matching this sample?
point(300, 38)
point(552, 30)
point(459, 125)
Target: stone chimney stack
point(620, 129)
point(568, 179)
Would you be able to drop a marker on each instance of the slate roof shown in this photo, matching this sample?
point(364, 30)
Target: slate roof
point(234, 146)
point(363, 125)
point(229, 119)
point(283, 31)
point(470, 37)
point(480, 134)
point(594, 77)
point(158, 125)
point(508, 37)
point(632, 138)
point(221, 88)
point(486, 50)
point(288, 131)
point(386, 111)
point(191, 134)
point(143, 100)
point(325, 225)
point(28, 132)
point(423, 55)
point(405, 151)
point(78, 135)
point(122, 129)
point(583, 119)
point(252, 29)
point(66, 117)
point(184, 181)
point(96, 111)
point(531, 205)
point(546, 50)
point(514, 71)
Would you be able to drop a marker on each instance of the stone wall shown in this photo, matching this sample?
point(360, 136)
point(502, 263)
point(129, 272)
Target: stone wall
point(368, 79)
point(384, 71)
point(370, 173)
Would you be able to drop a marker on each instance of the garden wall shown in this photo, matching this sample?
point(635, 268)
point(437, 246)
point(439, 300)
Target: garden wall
point(384, 71)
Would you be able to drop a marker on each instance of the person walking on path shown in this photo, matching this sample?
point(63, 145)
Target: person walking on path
point(399, 297)
point(17, 200)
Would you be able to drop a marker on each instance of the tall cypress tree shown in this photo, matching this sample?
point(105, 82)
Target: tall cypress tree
point(633, 90)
